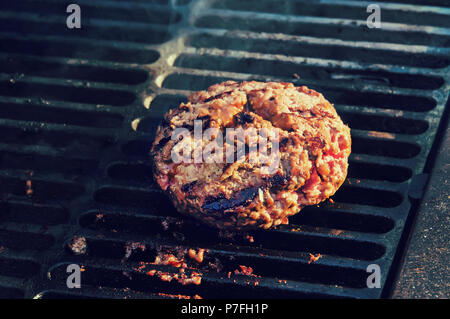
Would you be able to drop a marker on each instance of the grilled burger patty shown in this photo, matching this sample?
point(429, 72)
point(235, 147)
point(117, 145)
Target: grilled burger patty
point(313, 143)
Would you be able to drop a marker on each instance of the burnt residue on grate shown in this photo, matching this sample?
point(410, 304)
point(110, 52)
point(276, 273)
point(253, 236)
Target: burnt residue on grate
point(73, 168)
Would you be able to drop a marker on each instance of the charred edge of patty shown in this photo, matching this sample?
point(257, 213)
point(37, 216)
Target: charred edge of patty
point(220, 203)
point(165, 122)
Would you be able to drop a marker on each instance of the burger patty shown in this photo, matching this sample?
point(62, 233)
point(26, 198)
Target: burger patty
point(311, 163)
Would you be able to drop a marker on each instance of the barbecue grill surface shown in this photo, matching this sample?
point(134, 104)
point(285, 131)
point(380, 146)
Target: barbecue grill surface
point(79, 109)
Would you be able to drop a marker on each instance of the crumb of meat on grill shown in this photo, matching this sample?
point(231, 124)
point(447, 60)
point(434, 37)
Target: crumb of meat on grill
point(314, 146)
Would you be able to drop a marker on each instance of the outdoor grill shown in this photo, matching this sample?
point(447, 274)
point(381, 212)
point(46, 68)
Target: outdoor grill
point(79, 109)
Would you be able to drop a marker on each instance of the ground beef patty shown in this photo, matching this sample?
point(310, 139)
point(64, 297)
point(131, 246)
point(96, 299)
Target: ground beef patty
point(314, 146)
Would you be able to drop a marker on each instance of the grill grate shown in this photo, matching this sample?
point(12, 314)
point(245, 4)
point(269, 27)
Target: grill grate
point(68, 98)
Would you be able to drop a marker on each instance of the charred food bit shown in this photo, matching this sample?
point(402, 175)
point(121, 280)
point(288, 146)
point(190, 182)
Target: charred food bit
point(313, 142)
point(314, 258)
point(78, 245)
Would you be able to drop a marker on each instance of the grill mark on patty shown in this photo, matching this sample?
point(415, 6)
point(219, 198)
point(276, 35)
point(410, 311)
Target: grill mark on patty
point(225, 167)
point(165, 122)
point(283, 143)
point(248, 106)
point(322, 177)
point(188, 197)
point(206, 121)
point(161, 144)
point(188, 186)
point(219, 203)
point(243, 118)
point(276, 182)
point(316, 142)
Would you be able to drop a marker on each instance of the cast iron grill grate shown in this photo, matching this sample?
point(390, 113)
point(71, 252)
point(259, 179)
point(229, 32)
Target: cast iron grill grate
point(74, 166)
